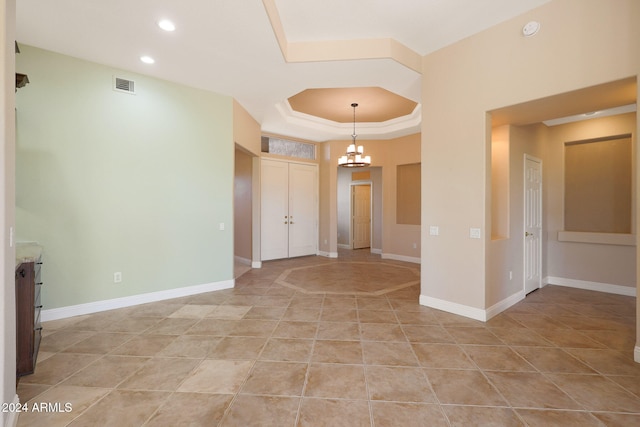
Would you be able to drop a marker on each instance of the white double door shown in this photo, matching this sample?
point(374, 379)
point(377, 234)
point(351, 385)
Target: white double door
point(289, 214)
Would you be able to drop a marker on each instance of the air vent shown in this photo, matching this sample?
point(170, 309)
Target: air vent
point(123, 85)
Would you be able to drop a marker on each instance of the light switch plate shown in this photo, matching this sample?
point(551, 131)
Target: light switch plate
point(434, 230)
point(474, 233)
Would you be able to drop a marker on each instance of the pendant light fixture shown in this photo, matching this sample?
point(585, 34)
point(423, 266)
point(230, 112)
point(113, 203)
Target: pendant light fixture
point(354, 157)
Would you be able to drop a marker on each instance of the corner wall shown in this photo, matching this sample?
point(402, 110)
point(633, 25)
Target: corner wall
point(497, 68)
point(109, 181)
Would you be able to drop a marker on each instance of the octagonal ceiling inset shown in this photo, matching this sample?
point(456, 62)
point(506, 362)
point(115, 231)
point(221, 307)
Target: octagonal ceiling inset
point(375, 104)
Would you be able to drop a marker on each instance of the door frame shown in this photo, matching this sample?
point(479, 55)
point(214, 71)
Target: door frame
point(351, 185)
point(529, 157)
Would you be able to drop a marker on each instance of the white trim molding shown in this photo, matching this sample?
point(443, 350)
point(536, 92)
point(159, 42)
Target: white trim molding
point(591, 286)
point(241, 260)
point(636, 353)
point(376, 251)
point(328, 254)
point(415, 260)
point(501, 306)
point(256, 264)
point(455, 308)
point(97, 306)
point(472, 312)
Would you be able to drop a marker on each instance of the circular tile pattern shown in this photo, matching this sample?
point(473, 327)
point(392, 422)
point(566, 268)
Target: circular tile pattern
point(360, 278)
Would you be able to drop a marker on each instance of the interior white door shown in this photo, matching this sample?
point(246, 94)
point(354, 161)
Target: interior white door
point(303, 209)
point(289, 213)
point(532, 224)
point(361, 216)
point(274, 215)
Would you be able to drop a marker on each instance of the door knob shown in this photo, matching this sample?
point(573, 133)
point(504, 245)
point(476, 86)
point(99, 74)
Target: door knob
point(527, 234)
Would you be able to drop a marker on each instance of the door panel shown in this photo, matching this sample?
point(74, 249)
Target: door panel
point(532, 225)
point(361, 206)
point(303, 209)
point(274, 210)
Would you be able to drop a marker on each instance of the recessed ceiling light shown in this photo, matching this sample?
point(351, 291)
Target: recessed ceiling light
point(166, 25)
point(147, 59)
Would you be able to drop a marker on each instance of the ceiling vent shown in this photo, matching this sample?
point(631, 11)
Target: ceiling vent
point(123, 85)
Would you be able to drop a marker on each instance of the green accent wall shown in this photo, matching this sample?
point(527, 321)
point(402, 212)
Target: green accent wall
point(113, 182)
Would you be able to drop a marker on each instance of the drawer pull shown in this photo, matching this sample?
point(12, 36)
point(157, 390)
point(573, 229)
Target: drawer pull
point(38, 329)
point(39, 284)
point(22, 273)
point(38, 306)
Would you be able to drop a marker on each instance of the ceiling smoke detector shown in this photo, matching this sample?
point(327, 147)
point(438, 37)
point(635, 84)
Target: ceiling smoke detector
point(531, 28)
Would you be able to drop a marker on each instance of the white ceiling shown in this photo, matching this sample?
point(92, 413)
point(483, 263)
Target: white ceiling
point(229, 46)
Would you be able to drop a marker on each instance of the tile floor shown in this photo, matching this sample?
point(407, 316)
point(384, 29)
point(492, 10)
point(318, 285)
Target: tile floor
point(264, 354)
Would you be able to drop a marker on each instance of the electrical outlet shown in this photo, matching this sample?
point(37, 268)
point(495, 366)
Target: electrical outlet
point(415, 246)
point(117, 277)
point(221, 226)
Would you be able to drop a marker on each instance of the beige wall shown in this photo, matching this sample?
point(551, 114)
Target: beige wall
point(498, 68)
point(602, 263)
point(505, 265)
point(397, 239)
point(344, 206)
point(7, 208)
point(242, 209)
point(246, 130)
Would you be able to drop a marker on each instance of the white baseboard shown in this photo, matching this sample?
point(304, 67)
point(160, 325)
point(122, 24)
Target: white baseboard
point(97, 306)
point(376, 251)
point(328, 254)
point(455, 308)
point(636, 353)
point(401, 258)
point(591, 286)
point(12, 418)
point(241, 260)
point(343, 246)
point(256, 264)
point(501, 306)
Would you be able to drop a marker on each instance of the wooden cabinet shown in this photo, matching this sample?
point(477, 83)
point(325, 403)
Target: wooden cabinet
point(28, 307)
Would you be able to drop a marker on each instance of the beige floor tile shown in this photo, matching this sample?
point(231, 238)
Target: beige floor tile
point(520, 336)
point(366, 303)
point(191, 409)
point(340, 302)
point(596, 393)
point(630, 383)
point(266, 313)
point(339, 315)
point(276, 378)
point(464, 416)
point(374, 316)
point(193, 311)
point(608, 362)
point(340, 331)
point(155, 309)
point(553, 360)
point(262, 411)
point(190, 346)
point(296, 329)
point(327, 351)
point(99, 343)
point(545, 418)
point(217, 376)
point(287, 350)
point(302, 314)
point(336, 381)
point(416, 318)
point(618, 420)
point(133, 409)
point(427, 334)
point(398, 384)
point(144, 345)
point(253, 328)
point(231, 312)
point(407, 414)
point(27, 392)
point(530, 390)
point(172, 326)
point(497, 358)
point(58, 367)
point(68, 402)
point(61, 339)
point(480, 336)
point(107, 372)
point(382, 332)
point(160, 374)
point(238, 348)
point(132, 324)
point(389, 353)
point(463, 387)
point(568, 338)
point(334, 413)
point(445, 356)
point(215, 327)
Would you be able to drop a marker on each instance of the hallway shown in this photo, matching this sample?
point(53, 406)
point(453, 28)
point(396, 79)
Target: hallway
point(266, 353)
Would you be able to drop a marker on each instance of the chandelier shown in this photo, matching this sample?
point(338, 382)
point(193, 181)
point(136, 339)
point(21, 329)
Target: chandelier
point(354, 157)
